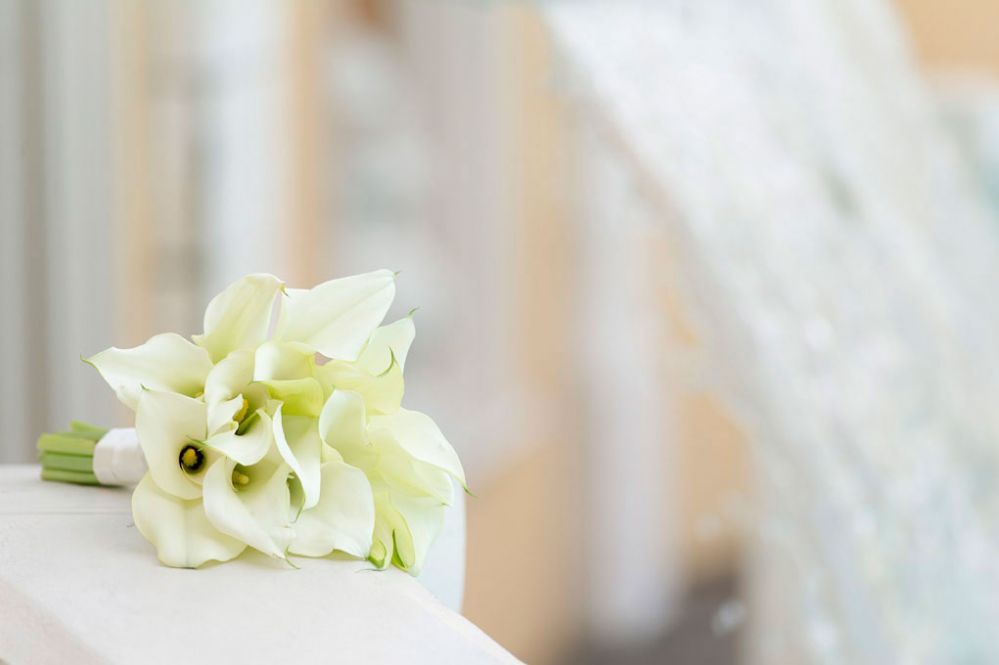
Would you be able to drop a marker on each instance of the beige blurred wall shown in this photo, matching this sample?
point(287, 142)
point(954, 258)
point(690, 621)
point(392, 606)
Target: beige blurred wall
point(523, 525)
point(954, 33)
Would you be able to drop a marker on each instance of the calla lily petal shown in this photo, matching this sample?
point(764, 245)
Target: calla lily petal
point(423, 519)
point(179, 529)
point(337, 317)
point(418, 435)
point(239, 317)
point(298, 442)
point(256, 514)
point(382, 541)
point(248, 447)
point(283, 360)
point(405, 528)
point(382, 393)
point(221, 416)
point(343, 519)
point(387, 342)
point(402, 471)
point(229, 377)
point(166, 362)
point(342, 426)
point(377, 375)
point(165, 423)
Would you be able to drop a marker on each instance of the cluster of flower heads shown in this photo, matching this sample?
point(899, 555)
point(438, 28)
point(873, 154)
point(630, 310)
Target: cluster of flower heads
point(281, 428)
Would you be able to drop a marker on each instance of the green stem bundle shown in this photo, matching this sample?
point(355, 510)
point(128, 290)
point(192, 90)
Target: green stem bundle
point(69, 456)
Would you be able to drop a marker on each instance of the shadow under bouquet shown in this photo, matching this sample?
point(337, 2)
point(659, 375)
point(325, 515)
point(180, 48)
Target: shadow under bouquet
point(280, 428)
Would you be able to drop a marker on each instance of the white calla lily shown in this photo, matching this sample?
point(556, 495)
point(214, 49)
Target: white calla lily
point(402, 471)
point(171, 430)
point(246, 445)
point(298, 442)
point(179, 529)
point(381, 393)
point(250, 504)
point(230, 376)
point(377, 375)
point(337, 317)
point(423, 518)
point(166, 362)
point(343, 519)
point(409, 463)
point(405, 528)
point(419, 436)
point(386, 343)
point(343, 427)
point(224, 417)
point(230, 394)
point(240, 316)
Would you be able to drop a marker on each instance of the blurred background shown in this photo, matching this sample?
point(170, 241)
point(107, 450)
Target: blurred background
point(152, 152)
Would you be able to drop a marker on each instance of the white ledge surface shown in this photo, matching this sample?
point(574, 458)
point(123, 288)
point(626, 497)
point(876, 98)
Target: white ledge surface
point(79, 584)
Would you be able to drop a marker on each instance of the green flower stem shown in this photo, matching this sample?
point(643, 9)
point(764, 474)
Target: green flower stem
point(78, 477)
point(68, 457)
point(66, 443)
point(86, 429)
point(64, 462)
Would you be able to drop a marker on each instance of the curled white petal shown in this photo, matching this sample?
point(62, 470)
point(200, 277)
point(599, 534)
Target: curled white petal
point(297, 440)
point(405, 528)
point(342, 426)
point(178, 528)
point(229, 377)
point(423, 518)
point(337, 317)
point(256, 514)
point(418, 435)
point(381, 393)
point(221, 415)
point(387, 342)
point(166, 362)
point(343, 519)
point(248, 447)
point(283, 360)
point(239, 317)
point(404, 472)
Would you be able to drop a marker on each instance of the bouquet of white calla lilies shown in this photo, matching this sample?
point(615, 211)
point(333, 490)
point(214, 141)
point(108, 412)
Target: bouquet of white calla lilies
point(279, 428)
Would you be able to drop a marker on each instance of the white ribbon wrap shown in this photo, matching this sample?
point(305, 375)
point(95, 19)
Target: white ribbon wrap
point(118, 458)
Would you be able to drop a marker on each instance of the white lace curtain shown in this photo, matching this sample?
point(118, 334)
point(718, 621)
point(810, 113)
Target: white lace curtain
point(841, 263)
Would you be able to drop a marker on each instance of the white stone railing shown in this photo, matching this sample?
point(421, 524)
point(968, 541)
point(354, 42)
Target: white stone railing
point(78, 584)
